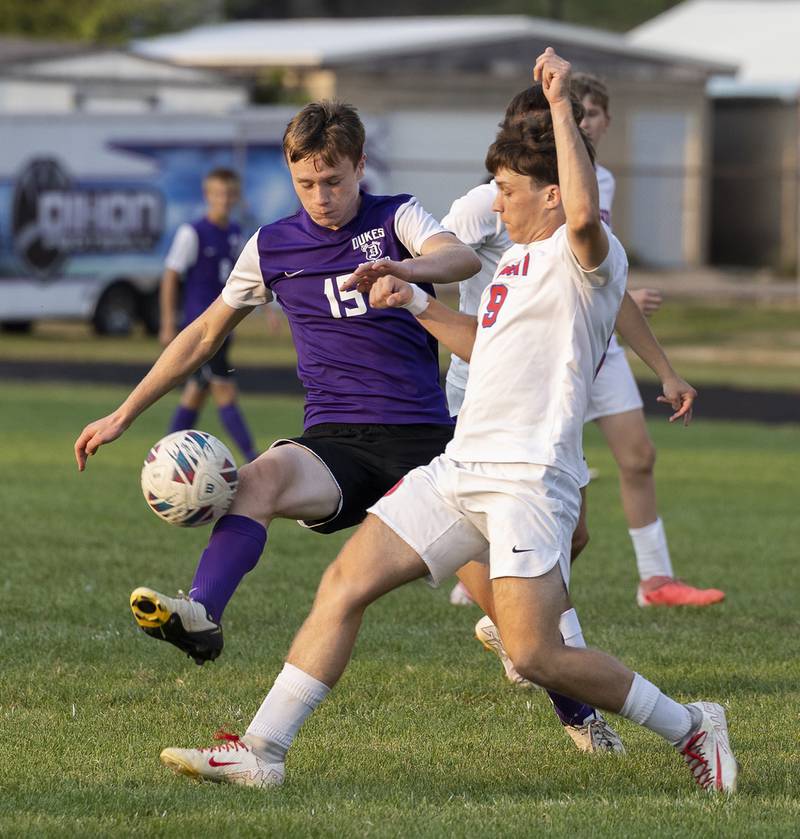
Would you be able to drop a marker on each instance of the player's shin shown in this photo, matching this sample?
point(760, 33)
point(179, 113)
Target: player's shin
point(235, 546)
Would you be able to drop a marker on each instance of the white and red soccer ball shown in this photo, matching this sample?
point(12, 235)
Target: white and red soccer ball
point(189, 478)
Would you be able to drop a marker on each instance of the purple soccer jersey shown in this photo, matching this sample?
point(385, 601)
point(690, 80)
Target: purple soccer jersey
point(217, 249)
point(357, 364)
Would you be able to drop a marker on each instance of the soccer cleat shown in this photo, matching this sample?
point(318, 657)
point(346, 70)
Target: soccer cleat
point(180, 620)
point(666, 591)
point(707, 750)
point(486, 632)
point(595, 736)
point(232, 762)
point(459, 596)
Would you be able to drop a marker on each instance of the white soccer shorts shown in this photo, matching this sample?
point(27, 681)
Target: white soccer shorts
point(614, 391)
point(518, 517)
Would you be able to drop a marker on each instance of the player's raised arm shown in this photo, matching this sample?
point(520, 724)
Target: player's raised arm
point(190, 349)
point(576, 175)
point(640, 338)
point(454, 329)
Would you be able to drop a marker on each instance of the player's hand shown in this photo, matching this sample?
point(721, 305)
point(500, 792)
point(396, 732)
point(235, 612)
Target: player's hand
point(95, 434)
point(554, 74)
point(390, 292)
point(648, 300)
point(680, 395)
point(368, 273)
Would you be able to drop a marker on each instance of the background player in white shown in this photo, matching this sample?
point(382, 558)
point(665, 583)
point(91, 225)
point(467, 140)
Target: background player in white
point(507, 486)
point(616, 405)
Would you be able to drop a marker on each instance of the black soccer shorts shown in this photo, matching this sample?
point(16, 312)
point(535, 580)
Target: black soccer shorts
point(366, 461)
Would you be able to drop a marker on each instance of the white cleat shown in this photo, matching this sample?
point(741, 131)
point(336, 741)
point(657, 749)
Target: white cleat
point(232, 762)
point(459, 596)
point(595, 736)
point(707, 749)
point(486, 632)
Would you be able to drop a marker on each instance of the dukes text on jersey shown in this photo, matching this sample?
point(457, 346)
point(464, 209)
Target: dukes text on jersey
point(369, 243)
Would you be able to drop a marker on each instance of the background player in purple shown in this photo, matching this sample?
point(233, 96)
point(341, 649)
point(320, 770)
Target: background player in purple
point(202, 255)
point(374, 407)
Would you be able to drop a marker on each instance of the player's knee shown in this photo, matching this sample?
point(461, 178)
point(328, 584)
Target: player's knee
point(640, 459)
point(261, 483)
point(339, 591)
point(533, 659)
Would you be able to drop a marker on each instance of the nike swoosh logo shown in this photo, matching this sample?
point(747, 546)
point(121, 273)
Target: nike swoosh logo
point(293, 273)
point(213, 762)
point(516, 550)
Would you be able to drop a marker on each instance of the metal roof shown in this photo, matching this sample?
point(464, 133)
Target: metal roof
point(761, 36)
point(330, 42)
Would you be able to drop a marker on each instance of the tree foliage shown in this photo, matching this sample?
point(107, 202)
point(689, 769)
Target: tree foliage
point(98, 21)
point(115, 21)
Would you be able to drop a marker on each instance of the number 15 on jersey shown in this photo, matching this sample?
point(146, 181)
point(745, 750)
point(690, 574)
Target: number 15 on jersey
point(339, 304)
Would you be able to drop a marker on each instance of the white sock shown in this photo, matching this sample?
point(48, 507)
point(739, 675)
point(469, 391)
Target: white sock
point(286, 707)
point(649, 707)
point(570, 628)
point(652, 553)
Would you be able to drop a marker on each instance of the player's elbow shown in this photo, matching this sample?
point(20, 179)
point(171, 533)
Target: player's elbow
point(466, 264)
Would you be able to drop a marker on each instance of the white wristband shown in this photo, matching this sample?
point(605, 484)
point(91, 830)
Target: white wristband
point(418, 302)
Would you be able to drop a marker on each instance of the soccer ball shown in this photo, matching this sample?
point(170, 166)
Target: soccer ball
point(189, 478)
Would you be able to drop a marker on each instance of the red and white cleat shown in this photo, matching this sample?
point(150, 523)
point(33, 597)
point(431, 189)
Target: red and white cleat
point(666, 591)
point(707, 750)
point(232, 762)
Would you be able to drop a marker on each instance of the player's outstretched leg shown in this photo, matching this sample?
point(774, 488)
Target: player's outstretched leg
point(635, 454)
point(528, 611)
point(374, 561)
point(285, 482)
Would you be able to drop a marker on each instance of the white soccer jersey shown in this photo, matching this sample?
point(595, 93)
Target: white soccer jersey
point(473, 222)
point(543, 326)
point(182, 252)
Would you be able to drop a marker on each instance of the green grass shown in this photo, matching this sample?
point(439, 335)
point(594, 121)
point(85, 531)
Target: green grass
point(738, 345)
point(422, 737)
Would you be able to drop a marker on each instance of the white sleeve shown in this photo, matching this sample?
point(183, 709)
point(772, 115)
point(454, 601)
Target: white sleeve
point(611, 271)
point(413, 224)
point(245, 286)
point(471, 218)
point(182, 253)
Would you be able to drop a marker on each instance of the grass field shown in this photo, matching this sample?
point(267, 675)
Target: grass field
point(422, 737)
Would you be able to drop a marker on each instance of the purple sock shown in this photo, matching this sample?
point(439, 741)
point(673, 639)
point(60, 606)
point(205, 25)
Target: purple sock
point(231, 417)
point(570, 711)
point(234, 549)
point(182, 418)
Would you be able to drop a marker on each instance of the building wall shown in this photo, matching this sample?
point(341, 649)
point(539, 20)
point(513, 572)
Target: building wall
point(658, 147)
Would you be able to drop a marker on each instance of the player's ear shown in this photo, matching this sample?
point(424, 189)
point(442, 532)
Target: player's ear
point(553, 197)
point(360, 167)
